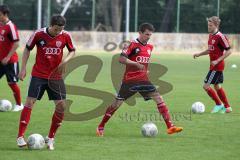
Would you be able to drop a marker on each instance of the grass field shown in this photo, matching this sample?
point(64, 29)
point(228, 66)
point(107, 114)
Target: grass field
point(205, 136)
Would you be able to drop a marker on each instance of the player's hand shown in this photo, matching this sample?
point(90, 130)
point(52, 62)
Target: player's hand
point(140, 66)
point(195, 55)
point(61, 68)
point(22, 74)
point(5, 60)
point(214, 63)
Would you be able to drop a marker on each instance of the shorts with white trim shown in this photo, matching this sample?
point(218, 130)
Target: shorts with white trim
point(11, 71)
point(214, 77)
point(55, 88)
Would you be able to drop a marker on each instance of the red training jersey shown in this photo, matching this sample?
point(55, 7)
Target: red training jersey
point(140, 53)
point(8, 35)
point(217, 43)
point(49, 52)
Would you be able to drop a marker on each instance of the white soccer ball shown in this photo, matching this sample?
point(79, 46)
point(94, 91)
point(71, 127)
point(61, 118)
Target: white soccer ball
point(198, 107)
point(234, 66)
point(149, 130)
point(5, 105)
point(35, 141)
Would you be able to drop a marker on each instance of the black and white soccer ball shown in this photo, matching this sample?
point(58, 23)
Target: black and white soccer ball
point(5, 105)
point(198, 107)
point(35, 141)
point(149, 130)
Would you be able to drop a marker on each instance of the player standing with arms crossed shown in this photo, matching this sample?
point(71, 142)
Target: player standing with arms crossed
point(218, 50)
point(50, 42)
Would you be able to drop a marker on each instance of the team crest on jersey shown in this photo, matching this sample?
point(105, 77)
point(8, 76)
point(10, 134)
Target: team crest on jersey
point(213, 41)
point(58, 43)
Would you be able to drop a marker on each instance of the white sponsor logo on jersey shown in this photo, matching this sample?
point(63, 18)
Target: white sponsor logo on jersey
point(213, 41)
point(52, 51)
point(142, 59)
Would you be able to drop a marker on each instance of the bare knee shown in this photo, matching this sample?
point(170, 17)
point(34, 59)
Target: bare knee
point(60, 106)
point(206, 87)
point(117, 103)
point(30, 102)
point(158, 98)
point(217, 87)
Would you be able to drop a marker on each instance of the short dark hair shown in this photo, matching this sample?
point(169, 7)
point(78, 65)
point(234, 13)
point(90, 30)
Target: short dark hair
point(58, 20)
point(146, 26)
point(4, 9)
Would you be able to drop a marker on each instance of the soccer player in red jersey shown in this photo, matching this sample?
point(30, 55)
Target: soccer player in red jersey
point(136, 58)
point(218, 50)
point(50, 43)
point(9, 42)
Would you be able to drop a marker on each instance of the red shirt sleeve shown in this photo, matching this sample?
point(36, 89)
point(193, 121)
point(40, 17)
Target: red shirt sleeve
point(13, 32)
point(69, 43)
point(224, 42)
point(127, 50)
point(32, 41)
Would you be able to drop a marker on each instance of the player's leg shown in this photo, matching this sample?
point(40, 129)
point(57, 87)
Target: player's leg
point(222, 95)
point(108, 114)
point(35, 91)
point(123, 94)
point(12, 70)
point(163, 110)
point(57, 92)
point(24, 120)
point(211, 79)
point(57, 119)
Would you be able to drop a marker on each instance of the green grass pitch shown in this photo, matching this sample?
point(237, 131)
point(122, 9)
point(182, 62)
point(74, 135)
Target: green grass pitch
point(205, 136)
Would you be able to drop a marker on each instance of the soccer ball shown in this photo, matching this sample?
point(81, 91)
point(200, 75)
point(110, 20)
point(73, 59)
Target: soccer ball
point(5, 105)
point(234, 66)
point(149, 130)
point(35, 141)
point(198, 107)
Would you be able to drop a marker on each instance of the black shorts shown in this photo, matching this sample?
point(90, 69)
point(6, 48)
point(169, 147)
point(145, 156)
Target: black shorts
point(11, 71)
point(214, 77)
point(126, 92)
point(55, 88)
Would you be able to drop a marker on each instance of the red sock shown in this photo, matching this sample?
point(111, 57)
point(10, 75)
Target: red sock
point(24, 120)
point(16, 92)
point(163, 110)
point(223, 97)
point(57, 119)
point(108, 114)
point(213, 95)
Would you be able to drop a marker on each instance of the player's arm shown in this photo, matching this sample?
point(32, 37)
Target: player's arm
point(70, 55)
point(224, 56)
point(22, 73)
point(62, 66)
point(206, 52)
point(124, 60)
point(11, 52)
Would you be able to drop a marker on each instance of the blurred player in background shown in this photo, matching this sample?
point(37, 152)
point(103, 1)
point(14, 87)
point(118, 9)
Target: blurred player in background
point(218, 50)
point(9, 42)
point(136, 58)
point(50, 42)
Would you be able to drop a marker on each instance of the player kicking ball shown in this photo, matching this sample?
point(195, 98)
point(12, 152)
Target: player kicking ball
point(136, 58)
point(218, 50)
point(50, 42)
